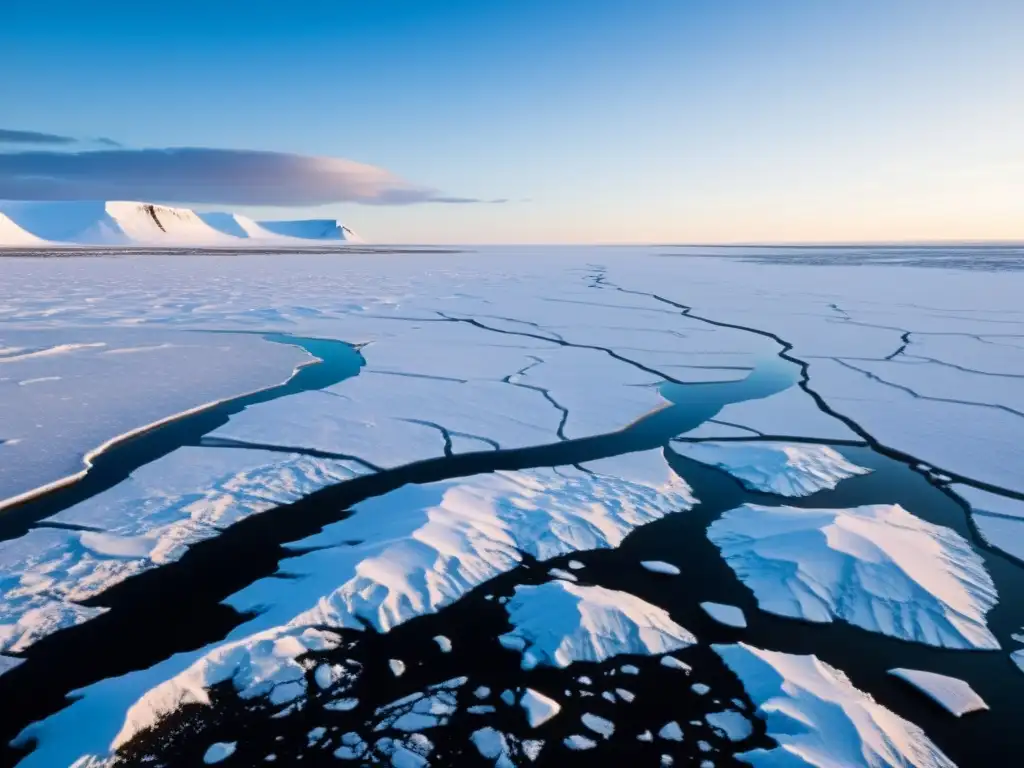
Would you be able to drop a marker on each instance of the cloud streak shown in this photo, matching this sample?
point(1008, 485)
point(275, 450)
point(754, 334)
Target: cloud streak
point(8, 136)
point(207, 175)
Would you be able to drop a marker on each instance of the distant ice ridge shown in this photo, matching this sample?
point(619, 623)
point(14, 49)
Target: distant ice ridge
point(420, 548)
point(558, 623)
point(785, 469)
point(878, 567)
point(819, 719)
point(127, 223)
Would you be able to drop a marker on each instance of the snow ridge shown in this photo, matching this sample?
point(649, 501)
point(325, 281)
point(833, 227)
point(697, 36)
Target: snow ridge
point(877, 566)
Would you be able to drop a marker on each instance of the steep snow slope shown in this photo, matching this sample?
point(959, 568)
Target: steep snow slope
point(126, 223)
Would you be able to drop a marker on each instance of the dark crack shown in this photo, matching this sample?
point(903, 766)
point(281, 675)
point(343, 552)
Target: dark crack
point(906, 343)
point(227, 442)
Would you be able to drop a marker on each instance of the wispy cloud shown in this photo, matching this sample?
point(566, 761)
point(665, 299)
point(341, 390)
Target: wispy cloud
point(8, 136)
point(206, 175)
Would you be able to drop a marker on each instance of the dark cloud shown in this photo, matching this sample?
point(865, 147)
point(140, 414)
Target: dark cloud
point(203, 175)
point(8, 136)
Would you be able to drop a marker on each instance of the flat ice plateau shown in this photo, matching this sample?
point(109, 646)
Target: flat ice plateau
point(487, 491)
point(877, 567)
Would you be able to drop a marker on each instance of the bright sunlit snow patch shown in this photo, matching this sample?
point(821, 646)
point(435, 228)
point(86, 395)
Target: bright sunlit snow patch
point(819, 719)
point(558, 623)
point(785, 469)
point(950, 693)
point(877, 567)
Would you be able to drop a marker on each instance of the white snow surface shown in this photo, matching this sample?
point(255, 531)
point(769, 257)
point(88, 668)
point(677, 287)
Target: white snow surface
point(558, 623)
point(130, 223)
point(785, 469)
point(729, 615)
point(878, 567)
point(950, 693)
point(820, 719)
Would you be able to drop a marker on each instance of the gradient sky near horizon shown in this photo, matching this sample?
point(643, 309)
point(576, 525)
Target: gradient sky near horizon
point(600, 121)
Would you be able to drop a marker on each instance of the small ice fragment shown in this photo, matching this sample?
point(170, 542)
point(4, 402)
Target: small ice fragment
point(584, 680)
point(270, 758)
point(738, 704)
point(703, 746)
point(558, 573)
point(324, 676)
point(578, 743)
point(598, 724)
point(575, 565)
point(734, 725)
point(608, 696)
point(707, 764)
point(488, 597)
point(671, 732)
point(629, 669)
point(443, 643)
point(659, 566)
point(626, 696)
point(490, 743)
point(539, 708)
point(503, 599)
point(397, 667)
point(512, 642)
point(480, 709)
point(315, 735)
point(341, 705)
point(222, 750)
point(645, 736)
point(482, 692)
point(508, 697)
point(673, 663)
point(531, 748)
point(950, 693)
point(584, 694)
point(729, 615)
point(699, 688)
point(667, 760)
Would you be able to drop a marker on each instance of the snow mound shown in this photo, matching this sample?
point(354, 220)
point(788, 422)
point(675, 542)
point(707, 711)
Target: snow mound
point(128, 223)
point(558, 623)
point(877, 567)
point(819, 719)
point(950, 693)
point(785, 469)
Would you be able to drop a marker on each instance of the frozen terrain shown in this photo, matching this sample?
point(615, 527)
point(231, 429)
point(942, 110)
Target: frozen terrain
point(877, 567)
point(128, 223)
point(297, 478)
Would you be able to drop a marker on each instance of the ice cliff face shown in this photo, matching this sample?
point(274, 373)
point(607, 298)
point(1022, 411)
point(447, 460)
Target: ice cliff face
point(128, 223)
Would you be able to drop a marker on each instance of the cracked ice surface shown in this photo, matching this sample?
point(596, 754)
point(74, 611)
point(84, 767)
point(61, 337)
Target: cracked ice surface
point(420, 548)
point(877, 567)
point(838, 725)
point(146, 521)
point(785, 469)
point(1000, 519)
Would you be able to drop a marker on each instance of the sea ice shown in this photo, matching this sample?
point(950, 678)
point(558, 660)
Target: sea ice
point(220, 751)
point(729, 615)
point(734, 725)
point(538, 707)
point(877, 567)
point(671, 732)
point(785, 469)
point(578, 743)
point(839, 726)
point(954, 695)
point(598, 724)
point(560, 623)
point(657, 566)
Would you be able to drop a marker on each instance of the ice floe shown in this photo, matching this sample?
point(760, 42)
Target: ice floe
point(1000, 519)
point(732, 724)
point(558, 623)
point(729, 615)
point(820, 719)
point(658, 566)
point(538, 707)
point(219, 752)
point(878, 567)
point(598, 724)
point(950, 693)
point(785, 469)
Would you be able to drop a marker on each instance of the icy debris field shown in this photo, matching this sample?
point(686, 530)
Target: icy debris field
point(512, 506)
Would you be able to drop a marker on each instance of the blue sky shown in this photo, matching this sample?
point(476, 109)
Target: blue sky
point(607, 120)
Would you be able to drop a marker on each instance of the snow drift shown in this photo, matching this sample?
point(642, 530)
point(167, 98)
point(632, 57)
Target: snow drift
point(127, 223)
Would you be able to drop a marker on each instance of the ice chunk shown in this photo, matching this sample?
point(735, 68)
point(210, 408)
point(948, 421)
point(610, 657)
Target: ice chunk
point(491, 744)
point(222, 750)
point(673, 663)
point(558, 573)
point(785, 469)
point(561, 623)
point(538, 707)
point(443, 643)
point(671, 732)
point(952, 694)
point(578, 743)
point(397, 667)
point(700, 689)
point(657, 566)
point(598, 724)
point(877, 567)
point(729, 615)
point(839, 725)
point(734, 725)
